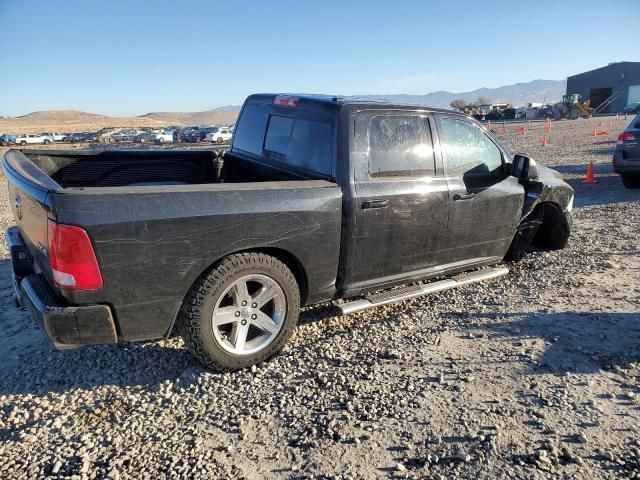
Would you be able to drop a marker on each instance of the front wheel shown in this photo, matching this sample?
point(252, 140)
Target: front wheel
point(23, 143)
point(631, 181)
point(241, 312)
point(555, 229)
point(220, 140)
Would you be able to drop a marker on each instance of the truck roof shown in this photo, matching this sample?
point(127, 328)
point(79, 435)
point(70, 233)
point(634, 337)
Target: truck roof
point(336, 101)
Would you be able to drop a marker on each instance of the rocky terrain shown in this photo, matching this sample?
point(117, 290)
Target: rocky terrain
point(534, 375)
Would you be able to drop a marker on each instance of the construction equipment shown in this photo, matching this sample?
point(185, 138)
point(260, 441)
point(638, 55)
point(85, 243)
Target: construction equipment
point(570, 107)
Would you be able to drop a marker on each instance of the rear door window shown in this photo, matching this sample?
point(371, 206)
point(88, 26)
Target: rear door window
point(400, 145)
point(467, 149)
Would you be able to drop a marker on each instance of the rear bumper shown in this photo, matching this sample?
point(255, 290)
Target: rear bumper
point(67, 325)
point(625, 166)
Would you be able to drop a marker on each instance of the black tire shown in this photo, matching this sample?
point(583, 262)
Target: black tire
point(220, 140)
point(23, 143)
point(631, 181)
point(555, 230)
point(197, 310)
point(47, 141)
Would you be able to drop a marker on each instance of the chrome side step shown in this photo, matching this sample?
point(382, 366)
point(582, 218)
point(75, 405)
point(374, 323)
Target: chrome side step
point(413, 291)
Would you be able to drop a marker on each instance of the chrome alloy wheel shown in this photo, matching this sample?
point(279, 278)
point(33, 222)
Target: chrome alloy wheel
point(249, 314)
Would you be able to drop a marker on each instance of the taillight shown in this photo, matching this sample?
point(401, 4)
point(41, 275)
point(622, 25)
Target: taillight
point(626, 137)
point(72, 258)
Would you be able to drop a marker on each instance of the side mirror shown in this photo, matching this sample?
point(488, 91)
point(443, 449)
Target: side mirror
point(524, 168)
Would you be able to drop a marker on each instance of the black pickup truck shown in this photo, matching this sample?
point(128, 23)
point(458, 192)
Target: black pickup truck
point(319, 199)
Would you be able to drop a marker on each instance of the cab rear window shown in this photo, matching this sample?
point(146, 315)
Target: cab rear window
point(302, 142)
point(249, 134)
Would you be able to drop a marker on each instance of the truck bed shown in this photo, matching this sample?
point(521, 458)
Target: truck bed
point(158, 220)
point(115, 168)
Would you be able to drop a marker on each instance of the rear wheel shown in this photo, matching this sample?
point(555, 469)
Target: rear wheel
point(241, 312)
point(631, 181)
point(47, 141)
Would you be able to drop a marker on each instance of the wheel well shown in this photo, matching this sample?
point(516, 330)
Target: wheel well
point(290, 261)
point(285, 257)
point(551, 213)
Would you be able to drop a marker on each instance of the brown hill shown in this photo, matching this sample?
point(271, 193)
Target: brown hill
point(66, 121)
point(209, 117)
point(59, 116)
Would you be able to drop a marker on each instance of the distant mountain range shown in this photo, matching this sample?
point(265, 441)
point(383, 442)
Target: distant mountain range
point(548, 91)
point(517, 94)
point(226, 114)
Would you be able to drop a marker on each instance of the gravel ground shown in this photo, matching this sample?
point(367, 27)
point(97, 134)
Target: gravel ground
point(534, 375)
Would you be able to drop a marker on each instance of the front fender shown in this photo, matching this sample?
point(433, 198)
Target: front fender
point(549, 187)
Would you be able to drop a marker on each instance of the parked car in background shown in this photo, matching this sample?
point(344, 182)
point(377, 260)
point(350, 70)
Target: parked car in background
point(632, 108)
point(145, 136)
point(55, 136)
point(79, 137)
point(164, 136)
point(32, 138)
point(221, 135)
point(197, 134)
point(7, 139)
point(626, 157)
point(128, 135)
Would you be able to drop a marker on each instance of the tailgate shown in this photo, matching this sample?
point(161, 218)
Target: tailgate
point(29, 189)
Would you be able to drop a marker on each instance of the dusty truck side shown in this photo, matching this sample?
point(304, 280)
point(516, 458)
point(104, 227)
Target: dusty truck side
point(319, 199)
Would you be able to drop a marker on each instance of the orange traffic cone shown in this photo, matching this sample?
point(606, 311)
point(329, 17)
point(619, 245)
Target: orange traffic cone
point(548, 127)
point(593, 132)
point(544, 141)
point(522, 130)
point(573, 125)
point(590, 176)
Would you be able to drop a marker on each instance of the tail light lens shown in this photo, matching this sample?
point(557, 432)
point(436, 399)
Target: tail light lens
point(626, 137)
point(72, 258)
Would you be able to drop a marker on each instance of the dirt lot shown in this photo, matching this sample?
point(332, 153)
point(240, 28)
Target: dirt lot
point(534, 375)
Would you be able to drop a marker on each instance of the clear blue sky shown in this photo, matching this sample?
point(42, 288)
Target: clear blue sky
point(130, 57)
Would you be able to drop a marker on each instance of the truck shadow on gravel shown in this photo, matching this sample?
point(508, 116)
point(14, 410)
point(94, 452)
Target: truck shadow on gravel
point(573, 342)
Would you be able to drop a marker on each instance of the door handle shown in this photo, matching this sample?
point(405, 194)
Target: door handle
point(375, 204)
point(464, 196)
